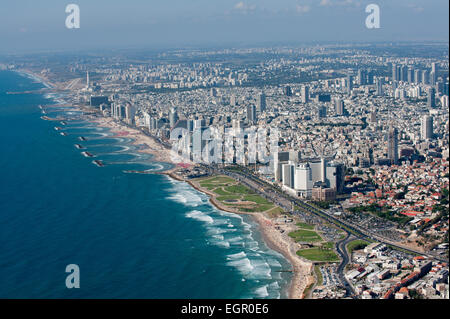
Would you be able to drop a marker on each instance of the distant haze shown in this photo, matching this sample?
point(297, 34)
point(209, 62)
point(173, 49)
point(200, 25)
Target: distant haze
point(32, 26)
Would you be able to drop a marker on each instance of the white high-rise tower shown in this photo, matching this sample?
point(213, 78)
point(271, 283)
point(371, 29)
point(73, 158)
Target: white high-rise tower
point(87, 80)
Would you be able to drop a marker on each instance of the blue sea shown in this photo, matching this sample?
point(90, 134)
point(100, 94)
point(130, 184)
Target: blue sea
point(132, 235)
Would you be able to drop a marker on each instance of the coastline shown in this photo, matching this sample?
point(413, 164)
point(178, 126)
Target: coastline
point(37, 77)
point(271, 236)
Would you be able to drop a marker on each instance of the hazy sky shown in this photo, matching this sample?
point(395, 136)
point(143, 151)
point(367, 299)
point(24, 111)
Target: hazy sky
point(39, 25)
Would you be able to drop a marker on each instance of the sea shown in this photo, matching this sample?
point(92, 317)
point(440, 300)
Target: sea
point(131, 235)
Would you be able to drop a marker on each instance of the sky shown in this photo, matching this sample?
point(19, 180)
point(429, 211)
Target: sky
point(39, 26)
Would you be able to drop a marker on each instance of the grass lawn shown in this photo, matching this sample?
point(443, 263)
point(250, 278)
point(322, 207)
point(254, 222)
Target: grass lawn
point(238, 189)
point(319, 255)
point(256, 199)
point(208, 186)
point(329, 245)
point(221, 186)
point(304, 235)
point(227, 197)
point(305, 226)
point(220, 191)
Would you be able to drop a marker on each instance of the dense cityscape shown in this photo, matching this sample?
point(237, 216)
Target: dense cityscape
point(357, 185)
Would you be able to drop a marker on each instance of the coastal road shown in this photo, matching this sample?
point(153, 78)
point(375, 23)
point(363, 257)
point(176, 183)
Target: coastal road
point(281, 198)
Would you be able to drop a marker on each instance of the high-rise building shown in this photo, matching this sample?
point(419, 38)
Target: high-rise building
point(198, 140)
point(394, 73)
point(417, 76)
point(431, 98)
point(130, 112)
point(404, 73)
point(425, 77)
point(88, 84)
point(173, 117)
point(303, 182)
point(251, 114)
point(426, 127)
point(393, 145)
point(349, 84)
point(322, 112)
point(305, 94)
point(339, 107)
point(379, 86)
point(261, 103)
point(287, 173)
point(434, 71)
point(410, 77)
point(362, 77)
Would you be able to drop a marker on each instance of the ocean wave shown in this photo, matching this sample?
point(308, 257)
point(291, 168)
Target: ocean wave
point(262, 292)
point(239, 255)
point(201, 216)
point(182, 193)
point(243, 265)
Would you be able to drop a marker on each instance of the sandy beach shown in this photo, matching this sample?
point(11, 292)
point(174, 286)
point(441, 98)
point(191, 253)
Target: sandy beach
point(158, 151)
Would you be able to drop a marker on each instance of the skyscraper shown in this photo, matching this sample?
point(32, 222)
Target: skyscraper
point(394, 73)
point(434, 72)
point(305, 94)
point(173, 117)
point(362, 77)
point(130, 112)
point(339, 107)
point(261, 103)
point(379, 86)
point(349, 84)
point(425, 77)
point(393, 145)
point(404, 73)
point(251, 114)
point(410, 77)
point(431, 98)
point(426, 127)
point(88, 84)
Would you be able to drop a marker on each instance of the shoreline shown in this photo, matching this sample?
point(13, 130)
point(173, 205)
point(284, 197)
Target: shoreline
point(37, 77)
point(301, 269)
